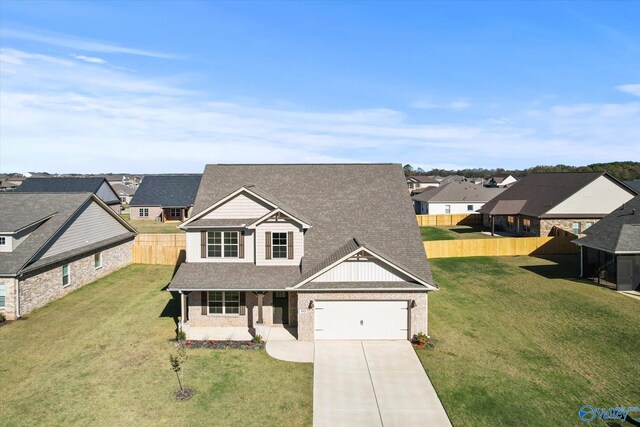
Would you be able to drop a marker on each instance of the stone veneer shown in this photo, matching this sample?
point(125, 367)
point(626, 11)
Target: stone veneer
point(546, 225)
point(43, 286)
point(418, 316)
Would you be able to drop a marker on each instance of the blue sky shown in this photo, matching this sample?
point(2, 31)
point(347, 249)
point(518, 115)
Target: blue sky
point(169, 86)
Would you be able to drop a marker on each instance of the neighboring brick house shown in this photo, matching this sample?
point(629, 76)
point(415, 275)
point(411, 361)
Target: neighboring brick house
point(457, 197)
point(295, 245)
point(548, 204)
point(96, 185)
point(610, 251)
point(165, 197)
point(53, 243)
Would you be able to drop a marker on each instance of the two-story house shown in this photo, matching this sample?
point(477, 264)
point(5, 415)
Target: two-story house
point(54, 243)
point(266, 247)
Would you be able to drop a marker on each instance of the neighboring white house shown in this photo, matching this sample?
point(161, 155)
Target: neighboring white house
point(502, 180)
point(418, 182)
point(454, 198)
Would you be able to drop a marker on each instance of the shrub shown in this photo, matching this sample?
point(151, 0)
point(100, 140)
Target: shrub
point(420, 338)
point(257, 339)
point(2, 318)
point(181, 335)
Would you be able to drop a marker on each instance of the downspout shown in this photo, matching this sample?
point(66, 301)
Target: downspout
point(17, 290)
point(581, 262)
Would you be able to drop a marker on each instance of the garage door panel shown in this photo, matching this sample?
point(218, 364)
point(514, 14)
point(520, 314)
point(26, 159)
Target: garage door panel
point(361, 320)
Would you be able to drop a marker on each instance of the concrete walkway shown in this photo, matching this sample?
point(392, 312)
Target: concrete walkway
point(282, 344)
point(372, 383)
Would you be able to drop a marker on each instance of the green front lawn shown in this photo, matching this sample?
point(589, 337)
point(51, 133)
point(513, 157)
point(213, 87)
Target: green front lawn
point(453, 233)
point(153, 227)
point(100, 356)
point(520, 342)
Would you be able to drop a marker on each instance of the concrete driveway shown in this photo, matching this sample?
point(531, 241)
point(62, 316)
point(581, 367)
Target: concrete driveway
point(372, 383)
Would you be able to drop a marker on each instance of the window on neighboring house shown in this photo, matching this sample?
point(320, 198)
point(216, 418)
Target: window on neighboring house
point(66, 275)
point(143, 212)
point(576, 228)
point(224, 302)
point(3, 240)
point(3, 295)
point(174, 212)
point(123, 199)
point(470, 208)
point(279, 245)
point(526, 225)
point(587, 225)
point(447, 209)
point(510, 221)
point(222, 244)
point(97, 260)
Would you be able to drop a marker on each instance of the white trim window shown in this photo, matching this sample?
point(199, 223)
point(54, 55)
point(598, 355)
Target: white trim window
point(279, 245)
point(143, 212)
point(174, 212)
point(526, 225)
point(575, 227)
point(223, 302)
point(3, 295)
point(470, 208)
point(587, 225)
point(3, 240)
point(66, 275)
point(447, 209)
point(97, 260)
point(222, 244)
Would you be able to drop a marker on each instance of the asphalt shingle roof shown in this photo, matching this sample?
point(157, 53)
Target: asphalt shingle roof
point(617, 232)
point(458, 191)
point(337, 200)
point(541, 192)
point(60, 185)
point(20, 209)
point(167, 190)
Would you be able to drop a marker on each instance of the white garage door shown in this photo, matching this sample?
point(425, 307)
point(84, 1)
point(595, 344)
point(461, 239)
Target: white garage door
point(361, 320)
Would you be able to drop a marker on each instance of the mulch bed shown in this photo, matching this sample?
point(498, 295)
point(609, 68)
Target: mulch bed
point(224, 345)
point(185, 394)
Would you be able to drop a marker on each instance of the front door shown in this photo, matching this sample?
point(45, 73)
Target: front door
point(280, 308)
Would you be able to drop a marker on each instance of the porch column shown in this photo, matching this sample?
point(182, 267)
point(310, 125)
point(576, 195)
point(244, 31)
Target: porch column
point(581, 261)
point(493, 225)
point(182, 309)
point(260, 300)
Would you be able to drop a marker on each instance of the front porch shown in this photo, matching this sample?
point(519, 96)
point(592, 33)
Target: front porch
point(231, 333)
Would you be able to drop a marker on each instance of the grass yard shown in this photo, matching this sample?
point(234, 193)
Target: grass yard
point(100, 356)
point(453, 233)
point(518, 342)
point(153, 227)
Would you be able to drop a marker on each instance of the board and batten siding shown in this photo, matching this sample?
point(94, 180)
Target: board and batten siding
point(361, 271)
point(193, 247)
point(92, 225)
point(279, 226)
point(241, 207)
point(106, 194)
point(601, 196)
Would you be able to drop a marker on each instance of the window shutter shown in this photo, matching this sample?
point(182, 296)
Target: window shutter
point(290, 244)
point(243, 303)
point(267, 245)
point(203, 244)
point(204, 302)
point(241, 244)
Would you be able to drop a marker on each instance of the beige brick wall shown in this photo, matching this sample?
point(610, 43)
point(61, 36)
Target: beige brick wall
point(154, 211)
point(249, 320)
point(418, 317)
point(565, 224)
point(46, 286)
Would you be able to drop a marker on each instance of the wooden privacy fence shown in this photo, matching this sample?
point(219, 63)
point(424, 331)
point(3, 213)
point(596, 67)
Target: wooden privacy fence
point(167, 249)
point(449, 219)
point(503, 246)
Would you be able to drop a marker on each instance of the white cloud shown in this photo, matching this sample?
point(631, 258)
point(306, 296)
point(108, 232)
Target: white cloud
point(632, 89)
point(428, 105)
point(64, 115)
point(90, 59)
point(75, 43)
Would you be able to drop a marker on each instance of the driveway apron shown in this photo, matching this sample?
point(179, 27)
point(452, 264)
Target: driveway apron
point(372, 383)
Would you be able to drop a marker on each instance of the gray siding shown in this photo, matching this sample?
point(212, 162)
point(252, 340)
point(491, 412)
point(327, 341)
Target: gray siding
point(279, 226)
point(106, 194)
point(361, 271)
point(241, 206)
point(92, 225)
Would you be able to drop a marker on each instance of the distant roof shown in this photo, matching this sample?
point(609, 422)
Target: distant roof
point(541, 192)
point(324, 194)
point(423, 178)
point(617, 232)
point(51, 210)
point(458, 191)
point(60, 185)
point(167, 190)
point(123, 189)
point(634, 184)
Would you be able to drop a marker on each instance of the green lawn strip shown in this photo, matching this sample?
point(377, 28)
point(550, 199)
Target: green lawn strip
point(458, 232)
point(100, 355)
point(517, 348)
point(152, 227)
